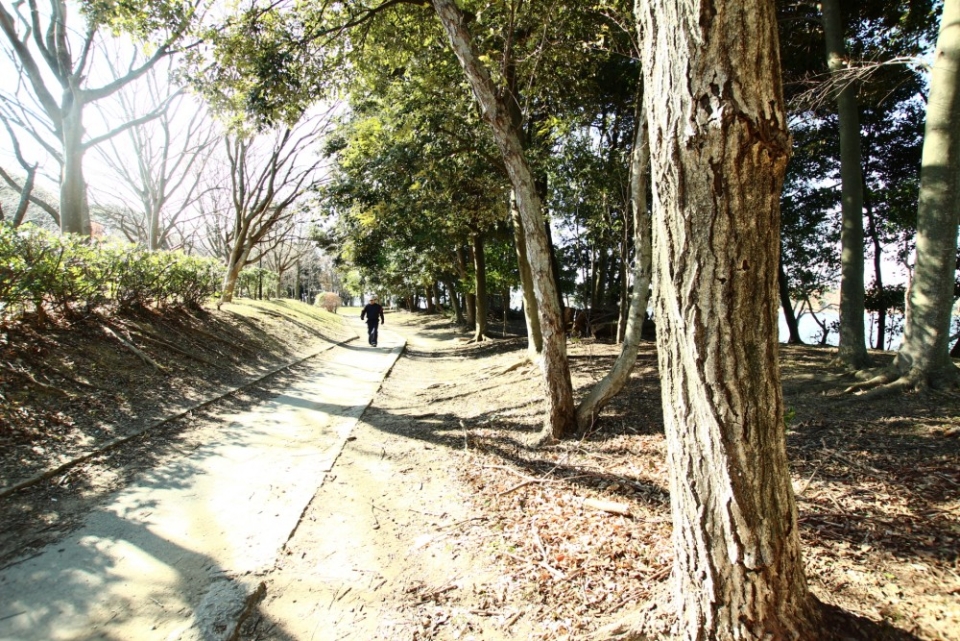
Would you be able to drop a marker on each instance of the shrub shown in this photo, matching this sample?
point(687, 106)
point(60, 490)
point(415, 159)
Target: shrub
point(329, 301)
point(45, 272)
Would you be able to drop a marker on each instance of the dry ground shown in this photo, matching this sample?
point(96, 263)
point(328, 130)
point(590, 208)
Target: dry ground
point(878, 486)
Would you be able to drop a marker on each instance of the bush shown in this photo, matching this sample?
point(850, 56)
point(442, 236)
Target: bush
point(329, 301)
point(44, 272)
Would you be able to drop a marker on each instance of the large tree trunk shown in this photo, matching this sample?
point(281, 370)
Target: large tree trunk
point(615, 380)
point(923, 356)
point(560, 419)
point(719, 147)
point(530, 313)
point(235, 263)
point(852, 349)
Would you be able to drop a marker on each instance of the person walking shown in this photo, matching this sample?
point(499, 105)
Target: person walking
point(373, 313)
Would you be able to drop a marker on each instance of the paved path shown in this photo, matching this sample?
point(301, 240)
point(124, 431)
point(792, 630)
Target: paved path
point(176, 554)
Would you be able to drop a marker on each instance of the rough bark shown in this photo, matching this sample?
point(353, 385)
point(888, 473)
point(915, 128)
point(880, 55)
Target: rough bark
point(617, 377)
point(74, 207)
point(560, 420)
point(623, 304)
point(719, 148)
point(924, 355)
point(852, 350)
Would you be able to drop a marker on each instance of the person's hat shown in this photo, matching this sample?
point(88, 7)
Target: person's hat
point(374, 297)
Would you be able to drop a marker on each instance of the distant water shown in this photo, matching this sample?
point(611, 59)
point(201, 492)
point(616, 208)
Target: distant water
point(810, 332)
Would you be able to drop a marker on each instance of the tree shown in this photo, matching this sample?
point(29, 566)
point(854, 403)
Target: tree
point(269, 173)
point(560, 417)
point(616, 379)
point(923, 358)
point(169, 152)
point(852, 349)
point(42, 46)
point(25, 189)
point(719, 148)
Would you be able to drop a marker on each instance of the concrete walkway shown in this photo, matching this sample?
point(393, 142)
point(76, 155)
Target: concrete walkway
point(177, 554)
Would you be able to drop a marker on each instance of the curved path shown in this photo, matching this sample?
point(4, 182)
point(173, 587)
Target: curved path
point(176, 554)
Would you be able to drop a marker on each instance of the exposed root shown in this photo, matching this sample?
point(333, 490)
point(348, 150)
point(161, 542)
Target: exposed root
point(869, 379)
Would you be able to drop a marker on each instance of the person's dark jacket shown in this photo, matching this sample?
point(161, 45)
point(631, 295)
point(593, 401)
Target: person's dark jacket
point(373, 312)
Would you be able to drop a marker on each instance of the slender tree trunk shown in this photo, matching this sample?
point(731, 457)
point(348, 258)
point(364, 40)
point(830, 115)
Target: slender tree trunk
point(560, 420)
point(480, 269)
point(719, 148)
point(618, 375)
point(530, 314)
point(877, 274)
point(24, 203)
point(852, 350)
point(454, 301)
point(470, 300)
point(787, 305)
point(623, 305)
point(923, 356)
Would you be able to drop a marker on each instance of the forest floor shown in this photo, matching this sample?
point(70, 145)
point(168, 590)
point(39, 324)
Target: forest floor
point(446, 443)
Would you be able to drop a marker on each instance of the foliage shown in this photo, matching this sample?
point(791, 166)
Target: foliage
point(252, 280)
point(44, 273)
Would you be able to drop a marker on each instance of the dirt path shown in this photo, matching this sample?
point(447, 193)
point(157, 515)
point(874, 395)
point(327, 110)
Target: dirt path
point(382, 550)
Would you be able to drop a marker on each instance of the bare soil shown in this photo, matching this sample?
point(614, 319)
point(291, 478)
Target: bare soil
point(472, 532)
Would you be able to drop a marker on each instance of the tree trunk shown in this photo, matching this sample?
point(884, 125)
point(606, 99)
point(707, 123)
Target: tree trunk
point(852, 349)
point(615, 380)
point(787, 305)
point(470, 300)
point(454, 301)
point(480, 270)
point(235, 263)
point(530, 314)
point(599, 278)
point(877, 273)
point(74, 210)
point(623, 305)
point(719, 147)
point(560, 420)
point(923, 355)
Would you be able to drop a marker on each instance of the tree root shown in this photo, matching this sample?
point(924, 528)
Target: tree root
point(891, 380)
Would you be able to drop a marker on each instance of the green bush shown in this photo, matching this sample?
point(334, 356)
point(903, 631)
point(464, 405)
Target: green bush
point(44, 273)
